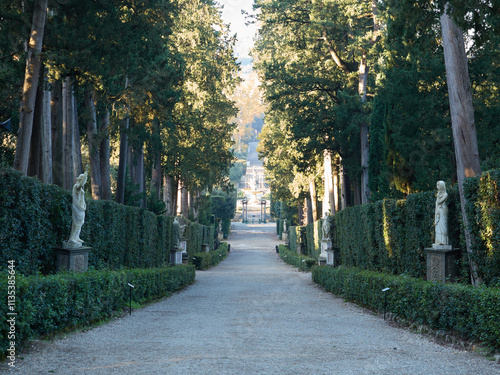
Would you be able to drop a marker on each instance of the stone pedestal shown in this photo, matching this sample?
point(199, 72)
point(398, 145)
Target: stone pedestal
point(332, 256)
point(442, 263)
point(284, 236)
point(205, 248)
point(176, 256)
point(325, 245)
point(75, 259)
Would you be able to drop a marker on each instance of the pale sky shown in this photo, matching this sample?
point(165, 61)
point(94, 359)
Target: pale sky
point(231, 14)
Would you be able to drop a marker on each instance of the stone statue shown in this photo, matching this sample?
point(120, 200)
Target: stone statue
point(285, 229)
point(326, 227)
point(78, 212)
point(176, 233)
point(441, 215)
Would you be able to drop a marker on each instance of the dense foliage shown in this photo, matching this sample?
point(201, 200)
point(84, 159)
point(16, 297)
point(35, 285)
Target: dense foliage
point(35, 218)
point(48, 304)
point(302, 262)
point(206, 260)
point(470, 312)
point(308, 56)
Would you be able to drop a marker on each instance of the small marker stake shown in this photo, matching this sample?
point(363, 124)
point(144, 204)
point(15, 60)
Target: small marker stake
point(130, 298)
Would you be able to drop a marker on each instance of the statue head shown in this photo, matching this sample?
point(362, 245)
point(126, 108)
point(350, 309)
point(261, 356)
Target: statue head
point(441, 186)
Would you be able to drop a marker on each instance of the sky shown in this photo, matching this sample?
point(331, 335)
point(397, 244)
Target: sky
point(231, 14)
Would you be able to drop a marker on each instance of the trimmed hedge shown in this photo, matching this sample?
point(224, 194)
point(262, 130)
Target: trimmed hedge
point(35, 218)
point(47, 304)
point(302, 262)
point(390, 235)
point(483, 211)
point(469, 311)
point(203, 261)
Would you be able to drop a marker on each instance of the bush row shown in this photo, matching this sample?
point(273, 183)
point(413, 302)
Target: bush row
point(483, 211)
point(204, 260)
point(302, 262)
point(47, 304)
point(469, 311)
point(35, 218)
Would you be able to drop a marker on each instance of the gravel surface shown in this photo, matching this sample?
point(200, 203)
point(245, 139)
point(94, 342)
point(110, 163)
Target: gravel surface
point(252, 314)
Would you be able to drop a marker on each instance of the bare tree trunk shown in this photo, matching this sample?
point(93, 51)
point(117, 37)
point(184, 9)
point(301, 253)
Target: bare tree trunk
point(34, 163)
point(30, 87)
point(68, 139)
point(122, 164)
point(104, 154)
point(168, 194)
point(77, 149)
point(365, 146)
point(346, 188)
point(93, 139)
point(184, 202)
point(57, 133)
point(309, 214)
point(336, 183)
point(46, 130)
point(314, 206)
point(462, 118)
point(156, 176)
point(328, 188)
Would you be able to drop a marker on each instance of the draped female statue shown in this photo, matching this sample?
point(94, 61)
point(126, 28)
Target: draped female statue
point(441, 215)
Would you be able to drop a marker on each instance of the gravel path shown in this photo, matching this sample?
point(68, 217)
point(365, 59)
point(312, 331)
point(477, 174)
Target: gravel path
point(252, 314)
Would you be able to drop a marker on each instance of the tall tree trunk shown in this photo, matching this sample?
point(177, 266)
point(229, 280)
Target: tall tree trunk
point(462, 118)
point(30, 87)
point(346, 188)
point(57, 133)
point(68, 139)
point(46, 130)
point(104, 154)
point(77, 149)
point(168, 194)
point(309, 214)
point(336, 183)
point(328, 188)
point(156, 157)
point(122, 164)
point(365, 146)
point(34, 163)
point(93, 139)
point(312, 192)
point(184, 201)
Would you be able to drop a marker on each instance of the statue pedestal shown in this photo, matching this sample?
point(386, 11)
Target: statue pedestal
point(205, 248)
point(332, 256)
point(284, 236)
point(325, 245)
point(73, 259)
point(176, 255)
point(442, 263)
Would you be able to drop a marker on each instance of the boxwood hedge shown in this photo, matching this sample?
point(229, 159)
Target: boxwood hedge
point(47, 304)
point(469, 311)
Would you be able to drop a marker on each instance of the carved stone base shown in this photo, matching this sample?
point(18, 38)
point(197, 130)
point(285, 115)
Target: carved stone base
point(76, 260)
point(325, 245)
point(333, 257)
point(205, 248)
point(442, 263)
point(176, 256)
point(284, 236)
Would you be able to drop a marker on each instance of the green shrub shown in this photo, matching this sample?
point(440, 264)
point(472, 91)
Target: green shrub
point(470, 311)
point(35, 218)
point(47, 304)
point(302, 262)
point(204, 260)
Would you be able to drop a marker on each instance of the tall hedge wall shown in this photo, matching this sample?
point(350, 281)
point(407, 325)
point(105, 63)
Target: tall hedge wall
point(35, 218)
point(391, 235)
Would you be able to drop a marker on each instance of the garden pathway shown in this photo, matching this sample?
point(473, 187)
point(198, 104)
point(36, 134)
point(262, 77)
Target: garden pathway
point(252, 314)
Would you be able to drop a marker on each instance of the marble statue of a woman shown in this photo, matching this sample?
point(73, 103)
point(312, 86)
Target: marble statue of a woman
point(441, 215)
point(78, 212)
point(326, 227)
